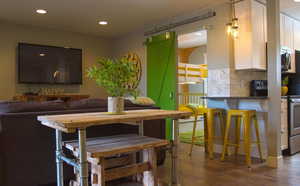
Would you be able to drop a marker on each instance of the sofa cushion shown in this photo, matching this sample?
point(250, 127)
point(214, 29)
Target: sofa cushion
point(143, 101)
point(18, 106)
point(91, 103)
point(129, 103)
point(88, 103)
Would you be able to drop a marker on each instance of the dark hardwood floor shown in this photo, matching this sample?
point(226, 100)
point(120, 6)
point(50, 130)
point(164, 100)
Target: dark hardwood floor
point(201, 171)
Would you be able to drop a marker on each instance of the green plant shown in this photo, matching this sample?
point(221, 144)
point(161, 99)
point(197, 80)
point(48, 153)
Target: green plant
point(285, 81)
point(114, 75)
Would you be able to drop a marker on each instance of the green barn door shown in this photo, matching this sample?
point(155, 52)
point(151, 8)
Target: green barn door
point(161, 72)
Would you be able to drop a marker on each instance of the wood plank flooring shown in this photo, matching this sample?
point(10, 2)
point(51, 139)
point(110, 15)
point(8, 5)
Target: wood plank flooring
point(201, 171)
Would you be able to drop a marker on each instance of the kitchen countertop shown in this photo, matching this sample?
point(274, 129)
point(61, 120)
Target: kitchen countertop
point(235, 97)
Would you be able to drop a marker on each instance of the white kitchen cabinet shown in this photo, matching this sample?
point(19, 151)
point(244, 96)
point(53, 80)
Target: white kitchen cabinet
point(250, 46)
point(296, 35)
point(288, 41)
point(287, 38)
point(281, 29)
point(284, 124)
point(288, 32)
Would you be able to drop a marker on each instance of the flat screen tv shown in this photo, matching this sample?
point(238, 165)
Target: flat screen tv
point(41, 64)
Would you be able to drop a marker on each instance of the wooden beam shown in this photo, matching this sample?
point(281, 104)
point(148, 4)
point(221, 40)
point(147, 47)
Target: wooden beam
point(126, 171)
point(274, 82)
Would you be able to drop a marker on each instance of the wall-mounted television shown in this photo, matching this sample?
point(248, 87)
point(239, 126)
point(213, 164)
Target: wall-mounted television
point(40, 64)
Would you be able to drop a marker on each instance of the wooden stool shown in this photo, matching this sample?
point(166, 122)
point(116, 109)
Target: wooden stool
point(245, 116)
point(99, 149)
point(209, 116)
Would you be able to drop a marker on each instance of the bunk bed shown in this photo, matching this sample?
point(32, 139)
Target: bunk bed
point(192, 74)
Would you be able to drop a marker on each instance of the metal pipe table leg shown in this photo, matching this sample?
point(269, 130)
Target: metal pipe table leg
point(141, 133)
point(59, 162)
point(141, 157)
point(175, 179)
point(83, 170)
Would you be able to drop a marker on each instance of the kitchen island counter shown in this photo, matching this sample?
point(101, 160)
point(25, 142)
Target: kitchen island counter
point(235, 97)
point(257, 103)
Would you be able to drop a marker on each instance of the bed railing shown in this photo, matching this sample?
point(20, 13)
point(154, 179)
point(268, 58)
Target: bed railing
point(192, 98)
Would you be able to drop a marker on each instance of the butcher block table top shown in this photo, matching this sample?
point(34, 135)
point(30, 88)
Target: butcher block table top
point(70, 122)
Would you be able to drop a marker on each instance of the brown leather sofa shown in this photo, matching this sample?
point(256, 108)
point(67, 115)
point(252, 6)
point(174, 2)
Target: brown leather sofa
point(27, 149)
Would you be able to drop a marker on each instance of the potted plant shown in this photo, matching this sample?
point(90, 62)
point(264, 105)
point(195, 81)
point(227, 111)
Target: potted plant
point(284, 86)
point(115, 76)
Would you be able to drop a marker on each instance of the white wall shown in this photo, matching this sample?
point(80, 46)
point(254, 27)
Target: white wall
point(11, 34)
point(197, 56)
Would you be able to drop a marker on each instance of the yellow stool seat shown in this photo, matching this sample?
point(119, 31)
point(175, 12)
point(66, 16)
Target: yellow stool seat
point(233, 112)
point(243, 117)
point(209, 115)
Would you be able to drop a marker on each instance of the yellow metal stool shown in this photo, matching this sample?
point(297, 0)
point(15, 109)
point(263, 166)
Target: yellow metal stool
point(243, 117)
point(209, 116)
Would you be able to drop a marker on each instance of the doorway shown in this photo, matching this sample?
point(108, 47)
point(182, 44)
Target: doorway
point(192, 80)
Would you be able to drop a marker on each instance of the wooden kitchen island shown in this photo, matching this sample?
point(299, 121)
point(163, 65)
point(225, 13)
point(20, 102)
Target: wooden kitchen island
point(70, 123)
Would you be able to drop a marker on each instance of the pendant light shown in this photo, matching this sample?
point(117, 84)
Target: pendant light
point(233, 26)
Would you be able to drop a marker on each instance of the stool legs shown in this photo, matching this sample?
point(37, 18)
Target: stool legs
point(227, 128)
point(209, 131)
point(247, 139)
point(222, 127)
point(193, 135)
point(258, 137)
point(246, 116)
point(237, 134)
point(210, 134)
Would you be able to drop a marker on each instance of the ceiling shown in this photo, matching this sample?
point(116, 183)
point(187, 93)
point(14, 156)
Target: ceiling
point(192, 39)
point(124, 16)
point(291, 8)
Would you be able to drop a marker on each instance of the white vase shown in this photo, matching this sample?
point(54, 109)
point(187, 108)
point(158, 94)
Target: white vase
point(115, 105)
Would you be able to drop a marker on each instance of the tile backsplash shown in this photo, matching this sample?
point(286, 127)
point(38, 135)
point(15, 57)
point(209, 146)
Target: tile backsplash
point(240, 81)
point(229, 82)
point(219, 82)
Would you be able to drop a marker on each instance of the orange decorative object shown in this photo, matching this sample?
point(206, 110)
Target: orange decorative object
point(133, 57)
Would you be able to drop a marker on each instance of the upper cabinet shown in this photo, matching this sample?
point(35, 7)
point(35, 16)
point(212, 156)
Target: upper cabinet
point(250, 46)
point(250, 51)
point(287, 31)
point(288, 39)
point(296, 35)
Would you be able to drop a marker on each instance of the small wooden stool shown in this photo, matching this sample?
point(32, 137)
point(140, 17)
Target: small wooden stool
point(209, 121)
point(98, 149)
point(246, 116)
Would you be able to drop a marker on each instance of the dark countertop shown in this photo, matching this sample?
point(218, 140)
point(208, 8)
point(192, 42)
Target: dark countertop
point(235, 97)
point(292, 96)
point(247, 97)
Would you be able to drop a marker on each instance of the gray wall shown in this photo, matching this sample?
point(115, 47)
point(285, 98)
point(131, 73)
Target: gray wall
point(197, 56)
point(11, 34)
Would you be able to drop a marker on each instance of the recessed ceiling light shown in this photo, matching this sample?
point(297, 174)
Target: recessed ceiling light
point(103, 22)
point(41, 11)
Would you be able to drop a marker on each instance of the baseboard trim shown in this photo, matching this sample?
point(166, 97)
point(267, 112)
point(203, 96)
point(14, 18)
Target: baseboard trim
point(273, 161)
